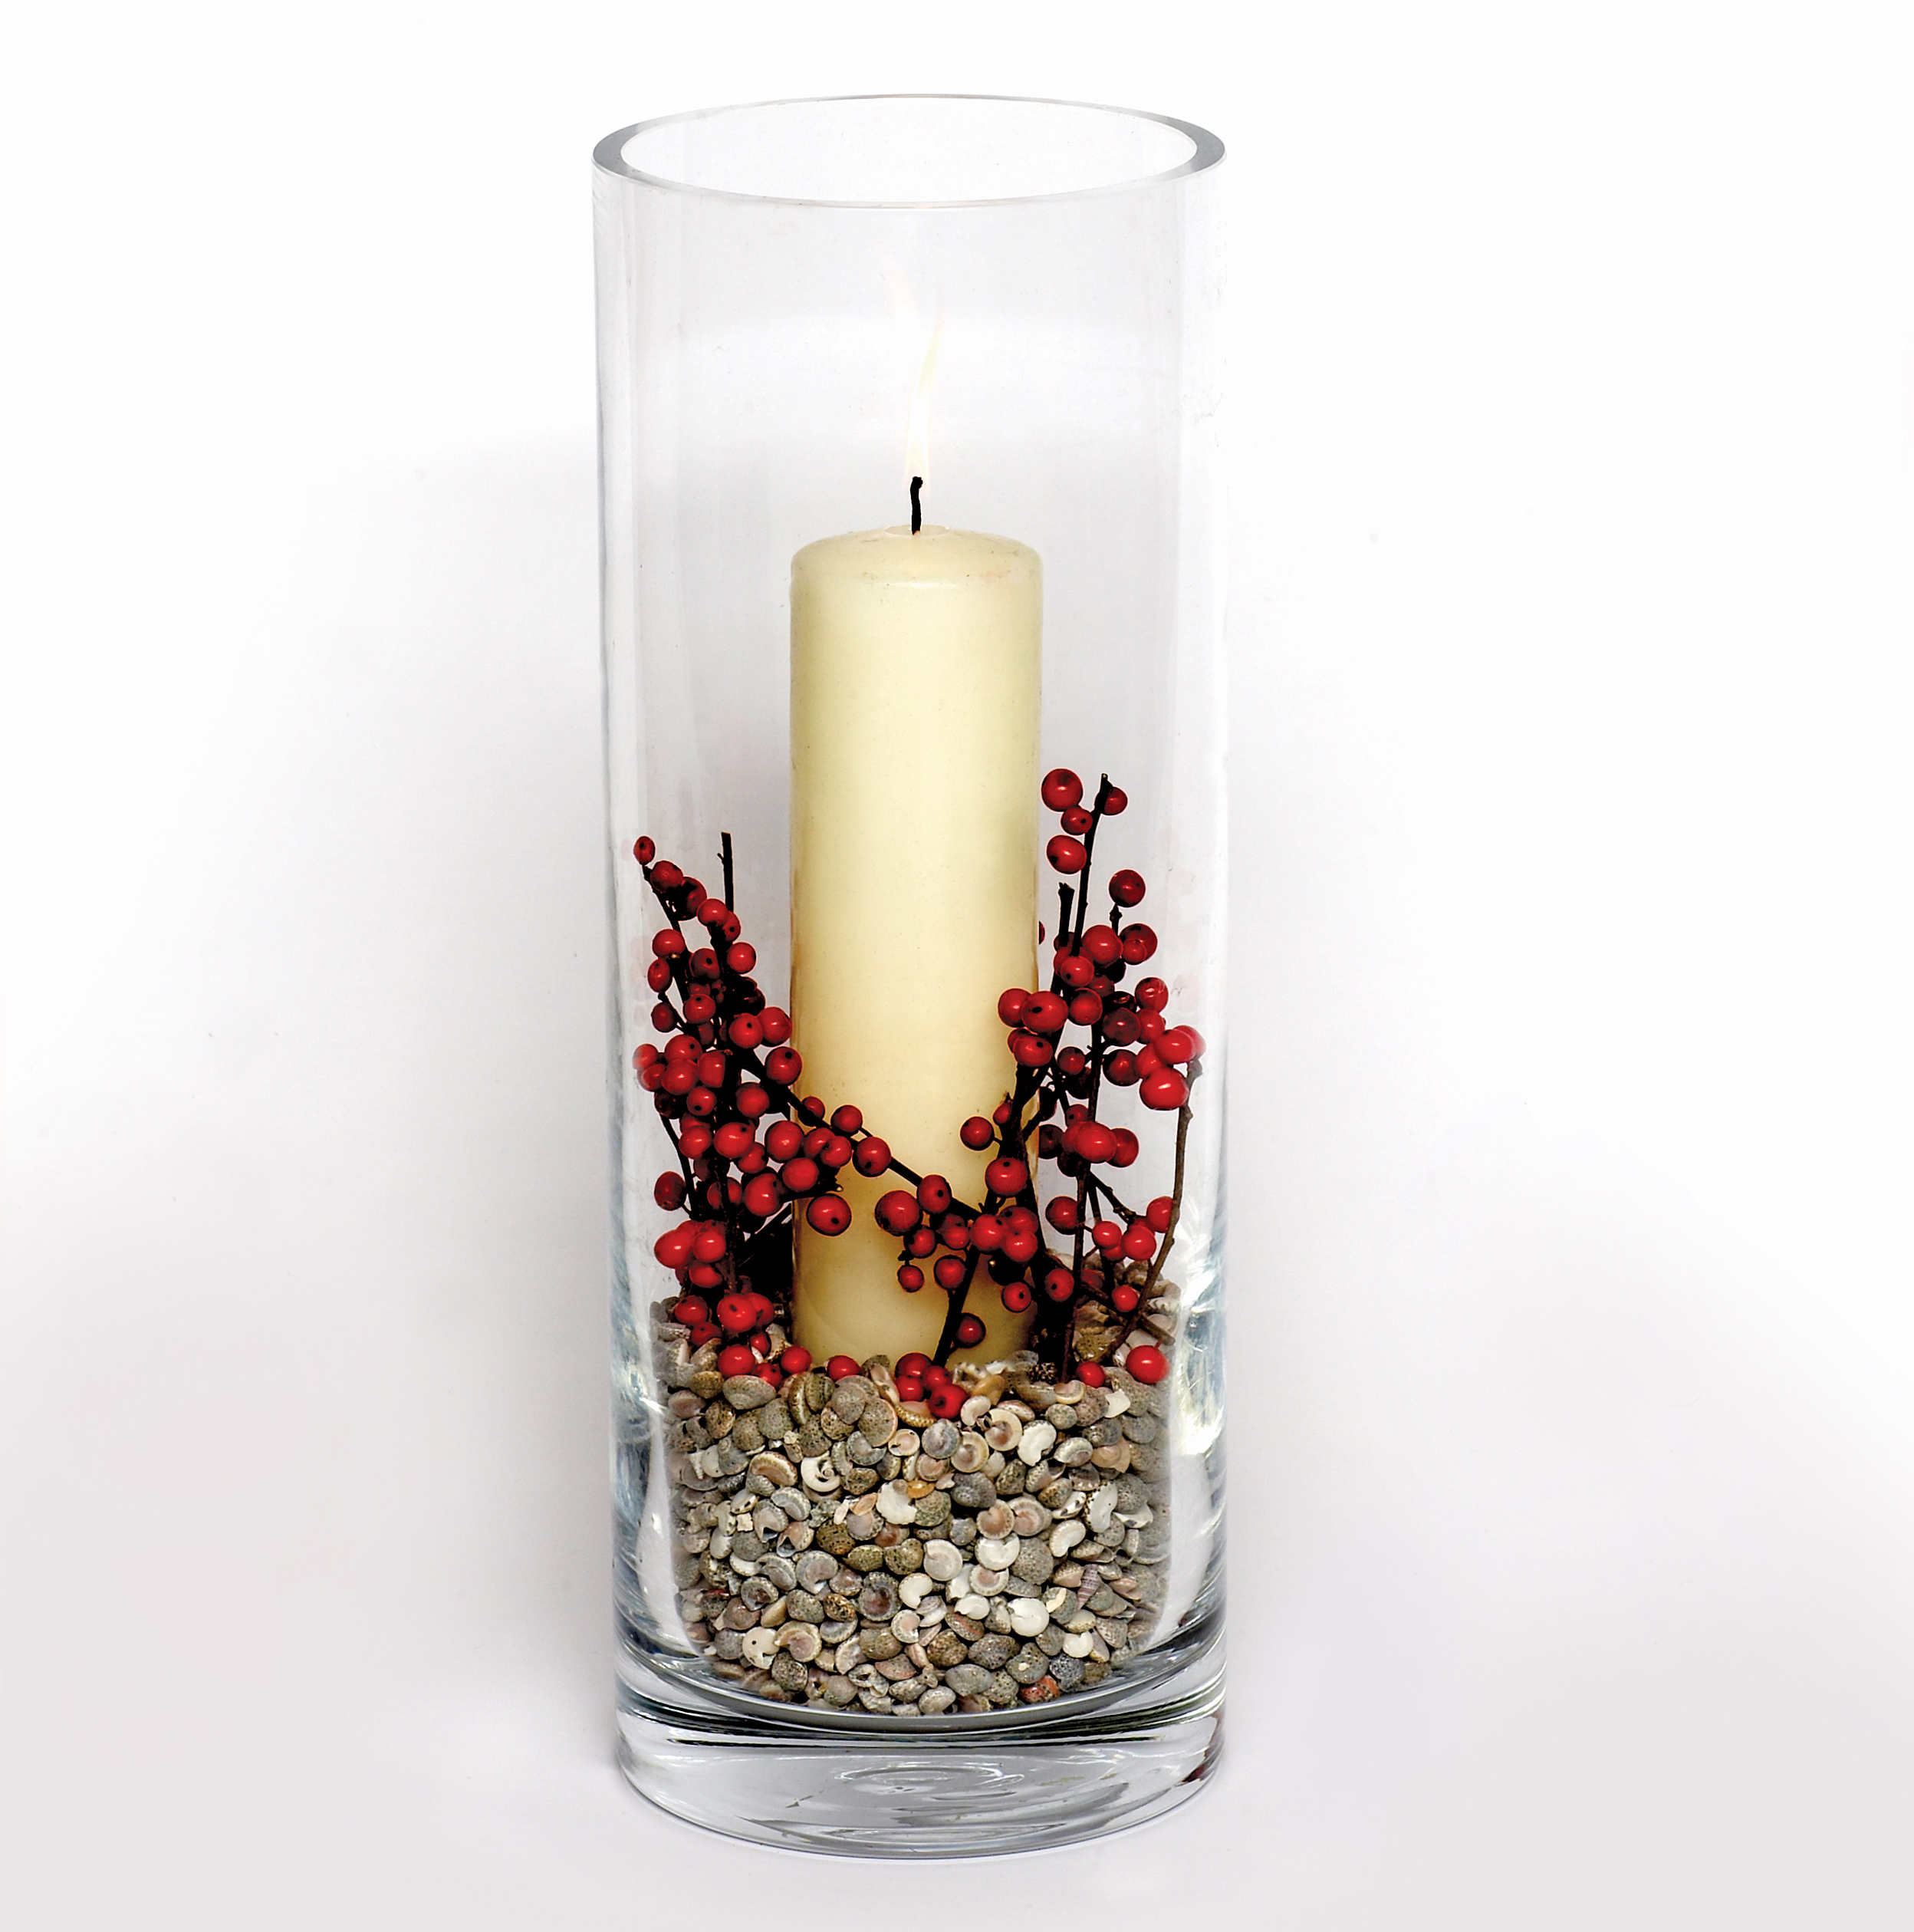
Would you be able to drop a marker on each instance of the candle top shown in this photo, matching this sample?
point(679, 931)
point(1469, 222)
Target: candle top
point(933, 556)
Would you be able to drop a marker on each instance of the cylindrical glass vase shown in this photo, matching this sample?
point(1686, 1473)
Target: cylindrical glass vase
point(913, 730)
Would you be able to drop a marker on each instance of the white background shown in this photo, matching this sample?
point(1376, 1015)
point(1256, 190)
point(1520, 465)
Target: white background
point(1573, 431)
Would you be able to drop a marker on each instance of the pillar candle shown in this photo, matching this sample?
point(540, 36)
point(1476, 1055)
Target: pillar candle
point(915, 673)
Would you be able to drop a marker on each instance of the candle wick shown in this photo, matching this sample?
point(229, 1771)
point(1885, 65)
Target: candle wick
point(916, 505)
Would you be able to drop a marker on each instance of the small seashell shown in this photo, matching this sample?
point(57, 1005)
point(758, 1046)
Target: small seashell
point(1069, 1393)
point(986, 1582)
point(1066, 1536)
point(943, 1560)
point(1114, 1456)
point(1027, 1616)
point(913, 1589)
point(1038, 1437)
point(1027, 1517)
point(970, 1455)
point(997, 1520)
point(928, 1468)
point(760, 1647)
point(917, 1489)
point(906, 1442)
point(934, 1702)
point(1101, 1507)
point(896, 1504)
point(774, 1469)
point(878, 1599)
point(997, 1553)
point(814, 1569)
point(878, 1423)
point(818, 1476)
point(1056, 1600)
point(974, 1410)
point(801, 1641)
point(775, 1615)
point(973, 1607)
point(769, 1521)
point(684, 1405)
point(1073, 1452)
point(939, 1440)
point(1078, 1642)
point(1004, 1430)
point(1116, 1402)
point(904, 1626)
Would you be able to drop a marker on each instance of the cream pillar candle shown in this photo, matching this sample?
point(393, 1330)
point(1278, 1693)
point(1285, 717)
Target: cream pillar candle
point(916, 670)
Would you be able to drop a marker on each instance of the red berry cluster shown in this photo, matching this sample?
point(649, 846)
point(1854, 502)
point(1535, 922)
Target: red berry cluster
point(1060, 1087)
point(727, 1071)
point(728, 1064)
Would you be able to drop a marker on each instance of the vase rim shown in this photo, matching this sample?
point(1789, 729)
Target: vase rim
point(611, 156)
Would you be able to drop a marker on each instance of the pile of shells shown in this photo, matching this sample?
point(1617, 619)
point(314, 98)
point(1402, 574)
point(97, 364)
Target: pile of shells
point(836, 1546)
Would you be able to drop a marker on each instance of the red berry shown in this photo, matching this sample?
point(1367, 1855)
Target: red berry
point(760, 1346)
point(1164, 1091)
point(1127, 888)
point(1077, 822)
point(1008, 1176)
point(680, 1077)
point(1062, 789)
point(783, 1139)
point(1095, 1141)
point(1090, 1374)
point(794, 1361)
point(1140, 1242)
point(898, 1212)
point(1086, 1009)
point(1107, 1235)
point(708, 1243)
point(1124, 1299)
point(987, 1232)
point(1140, 944)
point(666, 874)
point(1045, 1013)
point(695, 1139)
point(1000, 1113)
point(737, 1360)
point(950, 1271)
point(812, 1108)
point(1175, 1045)
point(782, 1063)
point(1152, 994)
point(1115, 800)
point(702, 1102)
point(669, 944)
point(701, 1274)
point(771, 1373)
point(1146, 1363)
point(829, 1214)
point(705, 1332)
point(1160, 1213)
point(776, 1025)
point(840, 1366)
point(700, 1007)
point(1076, 970)
point(934, 1375)
point(1102, 946)
point(737, 1314)
point(1015, 1296)
point(1061, 1214)
point(1127, 1148)
point(910, 1278)
point(742, 957)
point(970, 1331)
point(848, 1120)
point(764, 1195)
point(909, 1389)
point(801, 1175)
point(1020, 1244)
point(1060, 1285)
point(752, 1101)
point(1009, 1005)
point(745, 1032)
point(873, 1155)
point(1030, 1049)
point(644, 851)
point(732, 1139)
point(672, 1248)
point(976, 1133)
point(1119, 1026)
point(933, 1193)
point(692, 1311)
point(668, 1192)
point(1066, 855)
point(704, 964)
point(945, 1400)
point(658, 975)
point(954, 1232)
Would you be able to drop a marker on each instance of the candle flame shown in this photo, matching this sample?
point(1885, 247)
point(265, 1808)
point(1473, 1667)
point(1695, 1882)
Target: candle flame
point(917, 436)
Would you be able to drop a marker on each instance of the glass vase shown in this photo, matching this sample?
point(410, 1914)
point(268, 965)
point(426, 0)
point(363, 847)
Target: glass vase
point(913, 738)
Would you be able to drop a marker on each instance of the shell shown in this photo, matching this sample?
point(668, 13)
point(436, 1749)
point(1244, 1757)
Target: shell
point(1028, 1517)
point(1027, 1616)
point(760, 1647)
point(998, 1520)
point(896, 1504)
point(986, 1582)
point(1004, 1430)
point(939, 1440)
point(1073, 1452)
point(998, 1553)
point(801, 1641)
point(1038, 1438)
point(943, 1560)
point(1066, 1536)
point(818, 1476)
point(970, 1455)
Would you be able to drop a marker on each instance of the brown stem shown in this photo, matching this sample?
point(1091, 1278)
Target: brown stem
point(947, 1341)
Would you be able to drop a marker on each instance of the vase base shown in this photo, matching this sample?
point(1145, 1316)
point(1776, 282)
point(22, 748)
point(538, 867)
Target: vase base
point(1021, 1780)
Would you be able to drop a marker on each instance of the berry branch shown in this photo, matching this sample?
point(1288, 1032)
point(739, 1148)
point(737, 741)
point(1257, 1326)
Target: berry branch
point(727, 1065)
